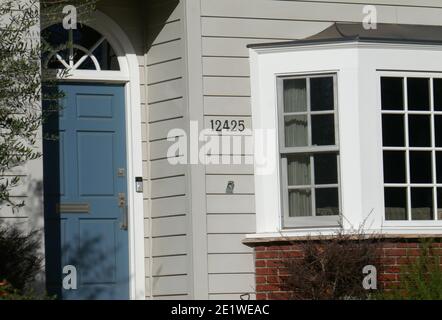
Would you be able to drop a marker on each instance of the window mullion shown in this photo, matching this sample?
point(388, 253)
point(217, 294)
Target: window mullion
point(308, 150)
point(312, 182)
point(309, 117)
point(280, 108)
point(433, 152)
point(285, 191)
point(309, 139)
point(407, 152)
point(335, 108)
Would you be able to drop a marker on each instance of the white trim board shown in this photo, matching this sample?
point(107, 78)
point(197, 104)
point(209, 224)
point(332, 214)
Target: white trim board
point(199, 281)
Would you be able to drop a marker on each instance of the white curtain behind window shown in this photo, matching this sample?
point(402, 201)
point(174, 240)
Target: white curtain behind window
point(295, 95)
point(300, 203)
point(298, 170)
point(295, 100)
point(296, 135)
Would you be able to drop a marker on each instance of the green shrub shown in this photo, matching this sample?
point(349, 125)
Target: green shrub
point(421, 279)
point(7, 292)
point(20, 261)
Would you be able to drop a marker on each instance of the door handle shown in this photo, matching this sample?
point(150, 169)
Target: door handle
point(123, 205)
point(124, 222)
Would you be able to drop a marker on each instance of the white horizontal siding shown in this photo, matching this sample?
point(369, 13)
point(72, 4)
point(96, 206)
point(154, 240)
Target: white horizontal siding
point(233, 165)
point(169, 285)
point(165, 52)
point(259, 28)
point(230, 203)
point(169, 206)
point(166, 110)
point(166, 90)
point(222, 66)
point(159, 149)
point(293, 10)
point(226, 243)
point(231, 223)
point(216, 184)
point(163, 169)
point(168, 187)
point(417, 3)
point(229, 46)
point(231, 283)
point(170, 31)
point(168, 246)
point(233, 106)
point(165, 71)
point(173, 265)
point(231, 263)
point(161, 129)
point(169, 226)
point(226, 86)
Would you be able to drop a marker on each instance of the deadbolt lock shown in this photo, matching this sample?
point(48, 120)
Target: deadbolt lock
point(121, 172)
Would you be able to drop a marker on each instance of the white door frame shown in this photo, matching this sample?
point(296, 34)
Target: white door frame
point(129, 76)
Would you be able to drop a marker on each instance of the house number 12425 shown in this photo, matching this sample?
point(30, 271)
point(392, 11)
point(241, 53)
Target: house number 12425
point(229, 125)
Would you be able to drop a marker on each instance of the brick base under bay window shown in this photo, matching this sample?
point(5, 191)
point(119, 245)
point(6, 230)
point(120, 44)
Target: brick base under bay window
point(271, 270)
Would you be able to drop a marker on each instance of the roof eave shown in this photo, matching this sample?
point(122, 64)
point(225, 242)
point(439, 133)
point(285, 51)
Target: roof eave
point(356, 39)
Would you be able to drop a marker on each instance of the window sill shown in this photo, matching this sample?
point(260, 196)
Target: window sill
point(257, 239)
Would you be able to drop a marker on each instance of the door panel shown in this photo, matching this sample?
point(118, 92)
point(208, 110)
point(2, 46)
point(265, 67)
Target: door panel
point(84, 157)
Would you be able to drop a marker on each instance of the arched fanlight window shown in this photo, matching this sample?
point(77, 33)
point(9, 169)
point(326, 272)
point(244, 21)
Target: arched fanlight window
point(78, 49)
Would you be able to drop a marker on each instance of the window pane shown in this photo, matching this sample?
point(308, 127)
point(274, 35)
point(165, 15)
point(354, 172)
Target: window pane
point(394, 167)
point(300, 203)
point(327, 201)
point(393, 130)
point(85, 37)
point(418, 94)
point(438, 130)
point(296, 131)
point(419, 131)
point(326, 168)
point(107, 56)
point(437, 88)
point(323, 130)
point(421, 203)
point(298, 170)
point(420, 167)
point(321, 93)
point(439, 203)
point(395, 203)
point(439, 167)
point(295, 95)
point(392, 93)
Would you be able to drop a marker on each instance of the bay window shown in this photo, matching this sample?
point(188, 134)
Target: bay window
point(358, 140)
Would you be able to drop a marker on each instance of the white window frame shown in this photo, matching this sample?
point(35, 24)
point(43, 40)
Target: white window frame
point(407, 148)
point(412, 223)
point(307, 221)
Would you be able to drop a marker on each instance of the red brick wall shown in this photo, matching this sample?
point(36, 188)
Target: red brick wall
point(270, 269)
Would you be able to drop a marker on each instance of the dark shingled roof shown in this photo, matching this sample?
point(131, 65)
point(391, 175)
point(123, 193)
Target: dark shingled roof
point(350, 32)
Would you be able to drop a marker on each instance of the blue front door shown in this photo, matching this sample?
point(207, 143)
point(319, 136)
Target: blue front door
point(86, 193)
